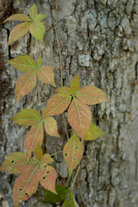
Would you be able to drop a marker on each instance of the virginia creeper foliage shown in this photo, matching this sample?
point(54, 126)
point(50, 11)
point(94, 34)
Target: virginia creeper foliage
point(34, 166)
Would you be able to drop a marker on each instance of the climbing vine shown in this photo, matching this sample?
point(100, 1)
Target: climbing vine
point(34, 166)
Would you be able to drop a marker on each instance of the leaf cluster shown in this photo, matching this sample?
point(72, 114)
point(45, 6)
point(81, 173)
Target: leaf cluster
point(74, 99)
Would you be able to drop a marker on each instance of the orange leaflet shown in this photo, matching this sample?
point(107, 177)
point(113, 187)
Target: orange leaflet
point(33, 137)
point(25, 185)
point(47, 177)
point(17, 163)
point(18, 32)
point(73, 152)
point(51, 126)
point(91, 95)
point(18, 17)
point(25, 85)
point(57, 104)
point(79, 117)
point(46, 75)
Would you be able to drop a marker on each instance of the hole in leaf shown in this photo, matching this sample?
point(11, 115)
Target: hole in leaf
point(44, 177)
point(74, 158)
point(76, 147)
point(26, 194)
point(47, 172)
point(12, 161)
point(9, 168)
point(45, 166)
point(65, 154)
point(20, 189)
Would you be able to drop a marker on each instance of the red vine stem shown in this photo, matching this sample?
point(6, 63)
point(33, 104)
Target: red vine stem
point(60, 57)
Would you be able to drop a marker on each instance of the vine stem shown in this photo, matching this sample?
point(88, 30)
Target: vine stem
point(49, 25)
point(56, 153)
point(60, 57)
point(75, 178)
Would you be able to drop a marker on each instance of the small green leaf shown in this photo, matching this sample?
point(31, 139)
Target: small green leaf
point(23, 63)
point(53, 198)
point(70, 200)
point(93, 133)
point(33, 11)
point(39, 61)
point(38, 153)
point(65, 91)
point(75, 84)
point(40, 17)
point(27, 117)
point(37, 30)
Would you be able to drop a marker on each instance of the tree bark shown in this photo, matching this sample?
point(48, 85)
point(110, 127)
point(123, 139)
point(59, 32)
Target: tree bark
point(99, 41)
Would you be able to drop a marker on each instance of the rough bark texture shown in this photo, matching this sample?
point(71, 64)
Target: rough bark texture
point(99, 41)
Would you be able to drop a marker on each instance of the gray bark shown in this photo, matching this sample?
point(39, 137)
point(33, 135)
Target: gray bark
point(99, 41)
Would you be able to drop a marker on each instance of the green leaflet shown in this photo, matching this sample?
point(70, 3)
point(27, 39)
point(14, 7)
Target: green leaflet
point(53, 198)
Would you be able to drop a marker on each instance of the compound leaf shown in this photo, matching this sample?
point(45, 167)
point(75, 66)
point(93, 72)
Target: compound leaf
point(18, 32)
point(25, 185)
point(39, 61)
point(23, 63)
point(46, 75)
point(33, 137)
point(38, 153)
point(79, 117)
point(53, 198)
point(33, 11)
point(75, 84)
point(65, 91)
point(27, 117)
point(18, 17)
point(93, 132)
point(17, 163)
point(73, 152)
point(91, 95)
point(40, 17)
point(57, 104)
point(47, 177)
point(25, 85)
point(37, 29)
point(70, 200)
point(51, 126)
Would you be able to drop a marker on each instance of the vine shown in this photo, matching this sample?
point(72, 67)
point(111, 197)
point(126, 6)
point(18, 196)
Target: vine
point(34, 166)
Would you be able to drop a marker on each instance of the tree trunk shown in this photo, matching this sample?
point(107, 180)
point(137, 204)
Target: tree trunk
point(99, 41)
